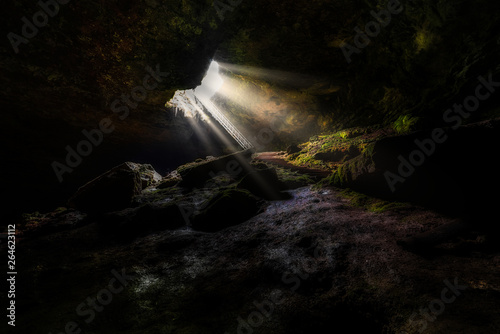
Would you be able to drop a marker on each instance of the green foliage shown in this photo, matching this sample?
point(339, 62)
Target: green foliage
point(367, 149)
point(345, 144)
point(405, 124)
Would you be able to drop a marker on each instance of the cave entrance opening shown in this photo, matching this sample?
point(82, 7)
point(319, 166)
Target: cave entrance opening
point(198, 103)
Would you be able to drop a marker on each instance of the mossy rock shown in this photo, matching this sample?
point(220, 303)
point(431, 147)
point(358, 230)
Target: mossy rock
point(369, 203)
point(168, 182)
point(264, 183)
point(338, 154)
point(293, 179)
point(111, 191)
point(196, 174)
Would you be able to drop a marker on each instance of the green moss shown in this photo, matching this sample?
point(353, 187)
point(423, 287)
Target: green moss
point(340, 176)
point(370, 203)
point(333, 179)
point(293, 179)
point(60, 210)
point(328, 151)
point(405, 124)
point(423, 39)
point(367, 149)
point(309, 161)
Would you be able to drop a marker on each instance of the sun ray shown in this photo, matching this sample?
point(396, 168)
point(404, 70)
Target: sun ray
point(290, 79)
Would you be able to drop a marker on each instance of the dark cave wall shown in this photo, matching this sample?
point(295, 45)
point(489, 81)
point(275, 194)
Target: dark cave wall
point(428, 56)
point(66, 78)
point(92, 53)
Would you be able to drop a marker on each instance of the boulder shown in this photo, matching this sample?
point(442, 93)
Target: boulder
point(168, 183)
point(149, 176)
point(450, 174)
point(197, 174)
point(264, 183)
point(228, 208)
point(115, 189)
point(170, 180)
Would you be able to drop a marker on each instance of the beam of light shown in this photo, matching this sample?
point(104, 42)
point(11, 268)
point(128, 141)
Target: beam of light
point(186, 101)
point(208, 106)
point(260, 104)
point(245, 95)
point(204, 138)
point(215, 83)
point(284, 78)
point(215, 129)
point(222, 136)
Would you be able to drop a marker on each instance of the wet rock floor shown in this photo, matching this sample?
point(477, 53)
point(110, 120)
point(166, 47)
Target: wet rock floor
point(310, 264)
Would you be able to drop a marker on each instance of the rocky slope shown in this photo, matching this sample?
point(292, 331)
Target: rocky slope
point(313, 261)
